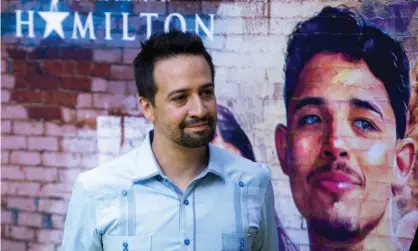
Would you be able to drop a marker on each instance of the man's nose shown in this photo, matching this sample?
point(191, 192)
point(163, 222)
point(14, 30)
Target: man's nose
point(335, 142)
point(197, 108)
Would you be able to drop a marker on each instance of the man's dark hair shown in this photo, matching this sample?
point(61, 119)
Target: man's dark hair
point(163, 46)
point(231, 132)
point(342, 30)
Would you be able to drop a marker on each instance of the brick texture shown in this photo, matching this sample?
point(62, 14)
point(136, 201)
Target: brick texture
point(55, 94)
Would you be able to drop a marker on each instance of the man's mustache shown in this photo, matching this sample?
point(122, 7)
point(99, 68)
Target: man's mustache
point(338, 166)
point(195, 121)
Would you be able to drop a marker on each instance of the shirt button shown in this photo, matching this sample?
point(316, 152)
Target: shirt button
point(187, 242)
point(242, 241)
point(125, 244)
point(124, 192)
point(186, 202)
point(241, 184)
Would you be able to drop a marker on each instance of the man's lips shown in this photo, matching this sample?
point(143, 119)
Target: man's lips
point(335, 182)
point(199, 125)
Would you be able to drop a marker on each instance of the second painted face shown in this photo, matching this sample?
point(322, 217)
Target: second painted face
point(340, 146)
point(184, 109)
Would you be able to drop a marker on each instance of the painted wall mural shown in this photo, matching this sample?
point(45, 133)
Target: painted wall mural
point(319, 93)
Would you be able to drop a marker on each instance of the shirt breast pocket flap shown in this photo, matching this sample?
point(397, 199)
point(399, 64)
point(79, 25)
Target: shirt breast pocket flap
point(127, 243)
point(237, 241)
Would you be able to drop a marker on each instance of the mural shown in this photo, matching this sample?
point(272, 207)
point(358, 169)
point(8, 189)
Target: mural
point(326, 119)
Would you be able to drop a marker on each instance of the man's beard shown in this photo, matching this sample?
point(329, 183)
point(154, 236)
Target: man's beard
point(335, 230)
point(197, 139)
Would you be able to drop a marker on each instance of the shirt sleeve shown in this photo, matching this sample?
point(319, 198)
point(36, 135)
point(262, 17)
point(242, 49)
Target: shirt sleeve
point(80, 231)
point(267, 236)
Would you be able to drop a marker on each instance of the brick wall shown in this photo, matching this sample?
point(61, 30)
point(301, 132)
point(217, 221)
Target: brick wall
point(69, 105)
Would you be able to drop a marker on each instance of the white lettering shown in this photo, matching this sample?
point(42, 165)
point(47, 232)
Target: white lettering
point(168, 19)
point(199, 23)
point(125, 28)
point(149, 21)
point(107, 26)
point(20, 22)
point(83, 30)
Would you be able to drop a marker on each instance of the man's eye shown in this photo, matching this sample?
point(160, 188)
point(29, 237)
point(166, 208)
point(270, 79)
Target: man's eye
point(208, 93)
point(310, 120)
point(364, 125)
point(179, 98)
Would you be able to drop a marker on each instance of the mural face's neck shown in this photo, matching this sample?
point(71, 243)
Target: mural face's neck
point(373, 234)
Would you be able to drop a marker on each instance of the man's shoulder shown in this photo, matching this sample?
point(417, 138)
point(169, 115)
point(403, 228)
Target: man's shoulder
point(242, 169)
point(110, 177)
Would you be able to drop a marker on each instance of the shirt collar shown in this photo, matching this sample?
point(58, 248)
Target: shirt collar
point(147, 166)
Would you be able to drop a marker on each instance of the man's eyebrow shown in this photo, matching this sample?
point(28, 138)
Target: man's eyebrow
point(317, 101)
point(180, 90)
point(207, 85)
point(365, 105)
point(177, 91)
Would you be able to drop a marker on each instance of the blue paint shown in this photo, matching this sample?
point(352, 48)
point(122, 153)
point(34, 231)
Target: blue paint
point(9, 66)
point(36, 202)
point(15, 214)
point(114, 6)
point(47, 221)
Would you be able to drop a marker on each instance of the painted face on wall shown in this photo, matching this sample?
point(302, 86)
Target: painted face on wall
point(340, 148)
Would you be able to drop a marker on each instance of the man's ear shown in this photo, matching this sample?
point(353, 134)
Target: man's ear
point(147, 108)
point(280, 141)
point(406, 154)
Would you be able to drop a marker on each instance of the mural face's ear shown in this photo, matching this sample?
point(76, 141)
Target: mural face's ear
point(280, 138)
point(405, 159)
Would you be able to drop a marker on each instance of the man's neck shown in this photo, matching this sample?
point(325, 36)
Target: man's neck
point(180, 164)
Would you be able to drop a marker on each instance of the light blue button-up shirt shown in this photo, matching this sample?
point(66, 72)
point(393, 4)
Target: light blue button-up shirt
point(128, 204)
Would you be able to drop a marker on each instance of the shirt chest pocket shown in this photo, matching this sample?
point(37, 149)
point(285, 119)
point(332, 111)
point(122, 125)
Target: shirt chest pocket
point(224, 242)
point(127, 243)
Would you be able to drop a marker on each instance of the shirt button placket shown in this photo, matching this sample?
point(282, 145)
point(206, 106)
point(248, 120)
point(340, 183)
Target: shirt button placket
point(242, 244)
point(125, 246)
point(188, 218)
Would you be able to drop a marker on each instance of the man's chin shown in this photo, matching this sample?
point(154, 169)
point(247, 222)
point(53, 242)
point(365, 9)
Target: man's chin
point(194, 140)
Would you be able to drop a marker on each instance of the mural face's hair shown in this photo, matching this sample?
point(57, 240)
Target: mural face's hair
point(343, 30)
point(162, 46)
point(231, 132)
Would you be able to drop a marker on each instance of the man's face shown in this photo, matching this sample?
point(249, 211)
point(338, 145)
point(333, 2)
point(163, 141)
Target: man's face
point(184, 110)
point(340, 146)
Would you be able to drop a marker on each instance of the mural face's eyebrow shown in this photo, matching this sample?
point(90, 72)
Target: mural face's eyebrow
point(366, 105)
point(316, 101)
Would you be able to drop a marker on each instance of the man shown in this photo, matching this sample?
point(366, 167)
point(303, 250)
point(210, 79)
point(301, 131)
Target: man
point(344, 147)
point(176, 191)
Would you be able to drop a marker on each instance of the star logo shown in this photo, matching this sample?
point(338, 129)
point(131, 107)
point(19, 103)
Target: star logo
point(53, 22)
point(53, 19)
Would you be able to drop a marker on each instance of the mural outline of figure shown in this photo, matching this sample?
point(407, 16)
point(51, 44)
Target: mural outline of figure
point(229, 134)
point(344, 147)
